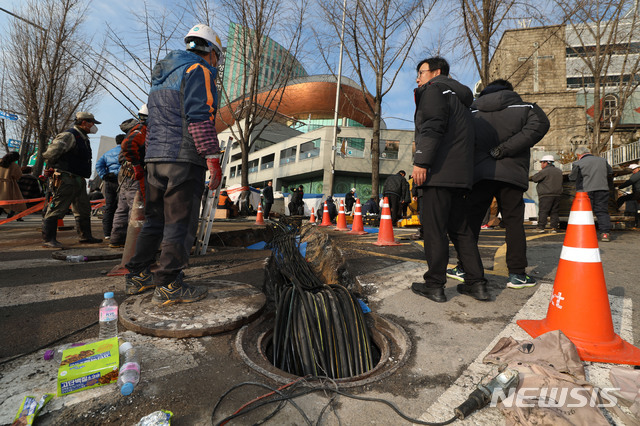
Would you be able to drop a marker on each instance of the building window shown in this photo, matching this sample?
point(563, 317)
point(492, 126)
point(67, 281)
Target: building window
point(310, 149)
point(253, 166)
point(232, 173)
point(389, 149)
point(610, 107)
point(288, 155)
point(267, 162)
point(351, 147)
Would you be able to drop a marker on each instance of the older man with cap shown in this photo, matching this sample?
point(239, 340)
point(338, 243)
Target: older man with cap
point(69, 161)
point(549, 188)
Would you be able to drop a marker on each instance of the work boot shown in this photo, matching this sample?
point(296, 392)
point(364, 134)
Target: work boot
point(83, 227)
point(433, 293)
point(49, 232)
point(178, 292)
point(139, 283)
point(477, 290)
point(117, 240)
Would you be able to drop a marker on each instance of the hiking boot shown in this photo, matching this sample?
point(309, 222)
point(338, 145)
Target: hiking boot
point(138, 283)
point(520, 281)
point(539, 231)
point(90, 240)
point(605, 237)
point(456, 273)
point(116, 244)
point(476, 290)
point(52, 244)
point(433, 293)
point(553, 231)
point(178, 292)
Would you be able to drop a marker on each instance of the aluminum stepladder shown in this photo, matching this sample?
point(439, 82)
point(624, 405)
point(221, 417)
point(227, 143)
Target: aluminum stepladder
point(209, 211)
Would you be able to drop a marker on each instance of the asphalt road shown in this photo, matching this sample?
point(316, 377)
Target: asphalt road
point(45, 300)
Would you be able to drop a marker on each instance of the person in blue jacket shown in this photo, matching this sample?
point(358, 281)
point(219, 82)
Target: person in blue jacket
point(107, 168)
point(182, 143)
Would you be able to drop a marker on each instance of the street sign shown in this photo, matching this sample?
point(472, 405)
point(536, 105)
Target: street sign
point(8, 116)
point(14, 143)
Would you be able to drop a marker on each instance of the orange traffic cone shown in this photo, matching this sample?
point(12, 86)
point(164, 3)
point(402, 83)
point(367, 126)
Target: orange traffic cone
point(357, 227)
point(579, 305)
point(341, 222)
point(326, 221)
point(136, 220)
point(259, 217)
point(312, 219)
point(385, 232)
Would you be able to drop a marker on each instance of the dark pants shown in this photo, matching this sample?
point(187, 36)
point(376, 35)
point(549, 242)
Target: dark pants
point(549, 205)
point(443, 212)
point(635, 196)
point(511, 207)
point(267, 209)
point(173, 192)
point(71, 192)
point(110, 190)
point(127, 194)
point(600, 206)
point(395, 206)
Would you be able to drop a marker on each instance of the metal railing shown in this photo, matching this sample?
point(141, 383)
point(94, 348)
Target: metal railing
point(622, 154)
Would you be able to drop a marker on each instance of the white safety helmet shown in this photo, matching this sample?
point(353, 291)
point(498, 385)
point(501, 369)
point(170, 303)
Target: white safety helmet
point(548, 158)
point(203, 32)
point(143, 110)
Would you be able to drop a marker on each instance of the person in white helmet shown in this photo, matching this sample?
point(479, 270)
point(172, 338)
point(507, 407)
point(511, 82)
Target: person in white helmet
point(181, 144)
point(549, 189)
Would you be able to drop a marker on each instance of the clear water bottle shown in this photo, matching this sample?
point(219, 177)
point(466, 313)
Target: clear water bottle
point(76, 258)
point(129, 374)
point(108, 317)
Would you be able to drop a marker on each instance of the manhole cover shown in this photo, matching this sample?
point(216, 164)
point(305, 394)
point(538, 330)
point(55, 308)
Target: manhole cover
point(91, 254)
point(228, 305)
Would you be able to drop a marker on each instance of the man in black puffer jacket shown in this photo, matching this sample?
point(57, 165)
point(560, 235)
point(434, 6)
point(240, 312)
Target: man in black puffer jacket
point(506, 129)
point(443, 172)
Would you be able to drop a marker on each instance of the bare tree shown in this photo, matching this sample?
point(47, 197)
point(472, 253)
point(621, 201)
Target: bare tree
point(379, 35)
point(603, 58)
point(52, 73)
point(256, 98)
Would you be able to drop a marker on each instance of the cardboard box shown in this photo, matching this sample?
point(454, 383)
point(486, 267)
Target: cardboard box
point(88, 366)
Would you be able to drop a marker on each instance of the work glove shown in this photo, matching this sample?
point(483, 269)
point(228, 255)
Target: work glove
point(216, 172)
point(48, 172)
point(138, 172)
point(497, 152)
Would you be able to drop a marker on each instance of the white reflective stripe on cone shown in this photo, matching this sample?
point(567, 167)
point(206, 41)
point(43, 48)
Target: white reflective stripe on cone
point(581, 255)
point(385, 205)
point(358, 213)
point(385, 216)
point(581, 218)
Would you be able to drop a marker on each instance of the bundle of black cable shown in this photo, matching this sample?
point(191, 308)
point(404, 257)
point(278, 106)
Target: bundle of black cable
point(319, 329)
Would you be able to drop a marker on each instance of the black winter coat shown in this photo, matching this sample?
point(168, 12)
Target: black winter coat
point(503, 118)
point(444, 132)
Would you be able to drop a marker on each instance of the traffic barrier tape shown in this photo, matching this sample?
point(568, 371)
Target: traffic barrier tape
point(24, 213)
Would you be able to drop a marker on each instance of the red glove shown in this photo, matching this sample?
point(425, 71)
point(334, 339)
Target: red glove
point(48, 172)
point(138, 172)
point(216, 172)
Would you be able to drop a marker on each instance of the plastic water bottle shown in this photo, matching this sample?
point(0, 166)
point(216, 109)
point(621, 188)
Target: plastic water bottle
point(108, 317)
point(56, 354)
point(76, 258)
point(129, 374)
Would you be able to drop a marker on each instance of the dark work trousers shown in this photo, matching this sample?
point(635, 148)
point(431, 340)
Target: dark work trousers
point(549, 205)
point(128, 190)
point(395, 206)
point(511, 207)
point(110, 190)
point(71, 192)
point(173, 192)
point(443, 212)
point(267, 209)
point(600, 206)
point(634, 196)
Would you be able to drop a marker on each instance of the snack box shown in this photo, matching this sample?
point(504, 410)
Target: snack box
point(88, 366)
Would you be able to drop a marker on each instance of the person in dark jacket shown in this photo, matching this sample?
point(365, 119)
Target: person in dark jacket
point(633, 182)
point(267, 193)
point(443, 172)
point(549, 189)
point(591, 174)
point(296, 205)
point(349, 200)
point(331, 208)
point(30, 186)
point(182, 143)
point(108, 168)
point(506, 129)
point(396, 189)
point(372, 206)
point(69, 160)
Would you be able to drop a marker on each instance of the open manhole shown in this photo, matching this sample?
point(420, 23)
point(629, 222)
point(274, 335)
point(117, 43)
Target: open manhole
point(391, 348)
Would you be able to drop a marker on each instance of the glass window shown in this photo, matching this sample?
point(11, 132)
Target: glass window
point(389, 149)
point(232, 173)
point(610, 106)
point(267, 162)
point(253, 166)
point(351, 147)
point(310, 149)
point(288, 155)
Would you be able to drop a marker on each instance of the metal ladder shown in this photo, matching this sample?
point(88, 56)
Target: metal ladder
point(209, 211)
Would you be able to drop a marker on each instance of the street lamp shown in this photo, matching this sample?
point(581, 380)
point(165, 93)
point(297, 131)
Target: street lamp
point(329, 191)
